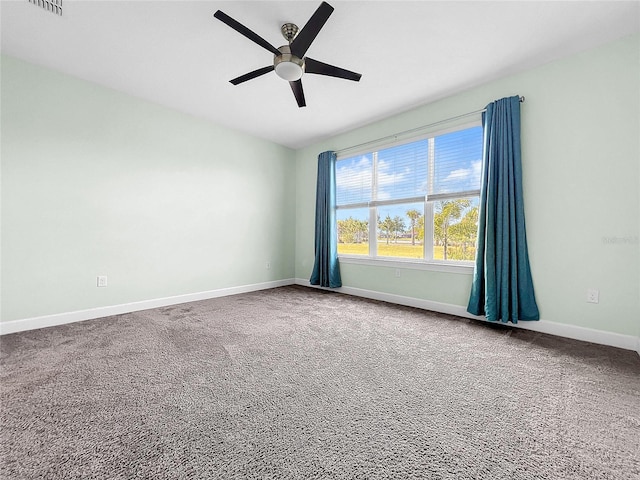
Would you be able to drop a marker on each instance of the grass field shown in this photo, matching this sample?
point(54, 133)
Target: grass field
point(405, 250)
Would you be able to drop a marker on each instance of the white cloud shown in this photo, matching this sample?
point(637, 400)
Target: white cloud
point(385, 178)
point(354, 175)
point(465, 176)
point(353, 180)
point(476, 172)
point(357, 175)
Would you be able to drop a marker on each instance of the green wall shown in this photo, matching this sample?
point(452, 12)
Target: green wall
point(581, 156)
point(95, 182)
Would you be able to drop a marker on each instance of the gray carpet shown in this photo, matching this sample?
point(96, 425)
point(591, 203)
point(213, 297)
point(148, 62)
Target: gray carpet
point(295, 383)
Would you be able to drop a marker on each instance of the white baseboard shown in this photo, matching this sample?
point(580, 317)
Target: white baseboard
point(628, 342)
point(14, 326)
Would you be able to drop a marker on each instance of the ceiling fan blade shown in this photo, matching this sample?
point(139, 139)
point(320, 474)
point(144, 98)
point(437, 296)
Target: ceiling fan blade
point(319, 68)
point(238, 27)
point(309, 32)
point(296, 87)
point(251, 75)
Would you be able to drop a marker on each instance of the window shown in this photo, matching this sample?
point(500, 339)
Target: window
point(416, 201)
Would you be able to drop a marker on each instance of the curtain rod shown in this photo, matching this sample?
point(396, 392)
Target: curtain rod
point(413, 130)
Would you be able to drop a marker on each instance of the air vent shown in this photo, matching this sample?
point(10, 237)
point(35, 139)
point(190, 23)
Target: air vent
point(53, 6)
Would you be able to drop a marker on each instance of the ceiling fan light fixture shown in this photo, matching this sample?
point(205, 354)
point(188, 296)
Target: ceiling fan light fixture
point(287, 65)
point(289, 71)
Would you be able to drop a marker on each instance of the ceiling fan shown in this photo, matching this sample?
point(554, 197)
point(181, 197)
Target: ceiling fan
point(289, 61)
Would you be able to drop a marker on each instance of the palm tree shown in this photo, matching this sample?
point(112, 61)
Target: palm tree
point(387, 226)
point(466, 233)
point(413, 215)
point(447, 212)
point(398, 227)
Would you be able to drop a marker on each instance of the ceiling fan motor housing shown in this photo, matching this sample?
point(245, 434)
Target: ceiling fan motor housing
point(287, 65)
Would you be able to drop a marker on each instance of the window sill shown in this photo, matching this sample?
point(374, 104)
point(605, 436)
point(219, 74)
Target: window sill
point(464, 268)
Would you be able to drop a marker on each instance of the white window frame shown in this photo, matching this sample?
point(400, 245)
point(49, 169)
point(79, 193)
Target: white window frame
point(427, 262)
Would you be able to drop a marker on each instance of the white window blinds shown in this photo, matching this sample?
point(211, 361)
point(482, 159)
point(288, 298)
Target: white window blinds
point(402, 172)
point(457, 164)
point(354, 180)
point(439, 167)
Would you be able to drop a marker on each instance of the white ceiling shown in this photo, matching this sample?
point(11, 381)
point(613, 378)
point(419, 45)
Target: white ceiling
point(409, 53)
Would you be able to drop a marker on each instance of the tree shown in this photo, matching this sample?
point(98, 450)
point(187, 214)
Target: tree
point(398, 227)
point(447, 213)
point(352, 230)
point(420, 229)
point(388, 226)
point(363, 230)
point(465, 232)
point(414, 215)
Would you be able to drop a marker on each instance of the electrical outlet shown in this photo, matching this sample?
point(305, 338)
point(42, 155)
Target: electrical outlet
point(397, 273)
point(102, 280)
point(268, 265)
point(593, 295)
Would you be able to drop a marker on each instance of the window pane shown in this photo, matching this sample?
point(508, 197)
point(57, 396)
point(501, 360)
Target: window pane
point(353, 179)
point(402, 171)
point(401, 230)
point(393, 181)
point(458, 161)
point(353, 231)
point(455, 229)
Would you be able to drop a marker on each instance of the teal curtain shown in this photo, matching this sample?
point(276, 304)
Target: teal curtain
point(502, 287)
point(326, 269)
